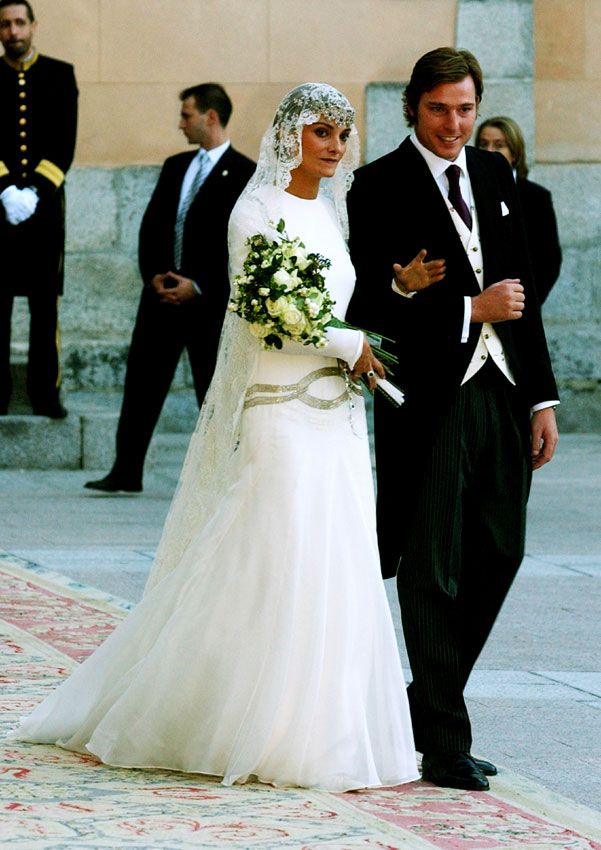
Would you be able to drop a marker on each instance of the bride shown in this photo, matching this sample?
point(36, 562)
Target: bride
point(263, 646)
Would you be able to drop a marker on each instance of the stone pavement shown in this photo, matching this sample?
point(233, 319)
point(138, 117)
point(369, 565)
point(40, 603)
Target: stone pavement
point(535, 696)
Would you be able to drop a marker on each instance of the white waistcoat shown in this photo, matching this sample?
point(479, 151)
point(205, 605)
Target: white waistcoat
point(489, 344)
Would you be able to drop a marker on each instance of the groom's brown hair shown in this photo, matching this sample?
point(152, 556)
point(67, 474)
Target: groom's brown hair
point(443, 65)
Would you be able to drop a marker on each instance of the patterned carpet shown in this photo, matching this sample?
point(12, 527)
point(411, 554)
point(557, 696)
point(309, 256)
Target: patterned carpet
point(53, 800)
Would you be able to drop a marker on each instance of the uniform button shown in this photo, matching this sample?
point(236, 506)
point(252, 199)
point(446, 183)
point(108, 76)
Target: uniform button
point(23, 174)
point(22, 120)
point(23, 108)
point(483, 357)
point(486, 336)
point(478, 271)
point(24, 161)
point(22, 95)
point(21, 75)
point(21, 81)
point(23, 148)
point(475, 248)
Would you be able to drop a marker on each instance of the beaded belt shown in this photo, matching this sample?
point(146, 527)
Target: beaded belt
point(279, 393)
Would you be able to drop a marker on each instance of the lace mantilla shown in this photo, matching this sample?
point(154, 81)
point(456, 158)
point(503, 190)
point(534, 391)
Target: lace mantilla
point(281, 146)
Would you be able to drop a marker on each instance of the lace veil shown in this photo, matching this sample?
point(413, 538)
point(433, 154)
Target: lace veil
point(209, 469)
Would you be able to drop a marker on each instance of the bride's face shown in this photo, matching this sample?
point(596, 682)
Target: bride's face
point(324, 145)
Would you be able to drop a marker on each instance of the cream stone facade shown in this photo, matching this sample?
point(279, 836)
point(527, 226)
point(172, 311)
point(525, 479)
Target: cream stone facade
point(133, 57)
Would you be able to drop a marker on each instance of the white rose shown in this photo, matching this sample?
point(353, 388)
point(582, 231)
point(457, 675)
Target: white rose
point(260, 331)
point(277, 307)
point(293, 320)
point(282, 278)
point(301, 259)
point(263, 290)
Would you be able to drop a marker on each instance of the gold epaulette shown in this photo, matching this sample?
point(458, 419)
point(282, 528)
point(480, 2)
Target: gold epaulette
point(3, 169)
point(51, 172)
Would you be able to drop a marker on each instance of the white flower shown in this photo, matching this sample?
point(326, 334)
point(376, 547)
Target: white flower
point(282, 278)
point(293, 320)
point(264, 290)
point(301, 259)
point(260, 331)
point(279, 306)
point(316, 296)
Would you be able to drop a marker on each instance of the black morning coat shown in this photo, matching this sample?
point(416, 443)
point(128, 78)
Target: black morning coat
point(395, 210)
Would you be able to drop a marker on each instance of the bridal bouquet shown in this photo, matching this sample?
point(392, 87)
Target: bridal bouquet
point(281, 293)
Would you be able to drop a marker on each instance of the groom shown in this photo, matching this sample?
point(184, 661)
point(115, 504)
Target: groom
point(455, 462)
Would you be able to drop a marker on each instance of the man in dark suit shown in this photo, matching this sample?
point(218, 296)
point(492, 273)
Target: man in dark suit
point(38, 123)
point(454, 463)
point(184, 265)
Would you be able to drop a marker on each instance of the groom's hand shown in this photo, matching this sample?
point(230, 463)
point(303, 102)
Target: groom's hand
point(417, 274)
point(499, 302)
point(544, 436)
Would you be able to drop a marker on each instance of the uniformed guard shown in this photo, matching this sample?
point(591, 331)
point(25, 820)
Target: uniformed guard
point(38, 122)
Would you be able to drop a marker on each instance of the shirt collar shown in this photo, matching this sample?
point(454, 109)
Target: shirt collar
point(216, 153)
point(437, 164)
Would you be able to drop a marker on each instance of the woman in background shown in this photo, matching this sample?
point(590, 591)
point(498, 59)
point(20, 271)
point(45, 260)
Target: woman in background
point(503, 135)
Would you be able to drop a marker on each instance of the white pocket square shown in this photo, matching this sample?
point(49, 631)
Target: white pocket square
point(504, 210)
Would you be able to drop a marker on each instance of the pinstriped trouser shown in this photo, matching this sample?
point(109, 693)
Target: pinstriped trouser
point(463, 551)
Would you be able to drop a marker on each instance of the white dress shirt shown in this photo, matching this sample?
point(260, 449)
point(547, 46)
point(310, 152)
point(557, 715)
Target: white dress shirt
point(214, 154)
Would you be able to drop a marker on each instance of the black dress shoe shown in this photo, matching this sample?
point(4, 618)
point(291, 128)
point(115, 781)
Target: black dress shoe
point(487, 767)
point(454, 770)
point(113, 484)
point(53, 411)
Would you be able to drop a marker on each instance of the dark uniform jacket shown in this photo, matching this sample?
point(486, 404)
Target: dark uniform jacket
point(38, 123)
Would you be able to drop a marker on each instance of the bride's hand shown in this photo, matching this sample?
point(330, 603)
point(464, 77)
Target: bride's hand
point(369, 365)
point(417, 274)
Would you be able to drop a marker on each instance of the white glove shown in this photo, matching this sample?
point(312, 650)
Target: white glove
point(19, 204)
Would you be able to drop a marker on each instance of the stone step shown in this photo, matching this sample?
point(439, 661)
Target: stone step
point(86, 438)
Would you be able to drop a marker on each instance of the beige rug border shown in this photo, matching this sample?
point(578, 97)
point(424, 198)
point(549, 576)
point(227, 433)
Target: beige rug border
point(51, 580)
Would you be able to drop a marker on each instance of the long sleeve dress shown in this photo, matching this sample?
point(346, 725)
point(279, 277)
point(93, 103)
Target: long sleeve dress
point(268, 651)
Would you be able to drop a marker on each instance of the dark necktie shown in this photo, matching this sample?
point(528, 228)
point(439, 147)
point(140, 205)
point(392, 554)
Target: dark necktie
point(455, 196)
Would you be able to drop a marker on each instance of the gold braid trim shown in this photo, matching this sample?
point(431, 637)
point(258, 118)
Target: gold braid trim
point(51, 172)
point(3, 169)
point(280, 393)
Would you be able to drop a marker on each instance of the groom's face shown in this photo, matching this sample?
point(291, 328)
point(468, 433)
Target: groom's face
point(445, 117)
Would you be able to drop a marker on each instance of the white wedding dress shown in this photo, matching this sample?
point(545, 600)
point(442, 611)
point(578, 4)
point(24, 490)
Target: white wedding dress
point(269, 650)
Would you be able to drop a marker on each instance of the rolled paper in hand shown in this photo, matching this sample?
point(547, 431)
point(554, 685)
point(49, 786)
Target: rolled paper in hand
point(393, 393)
